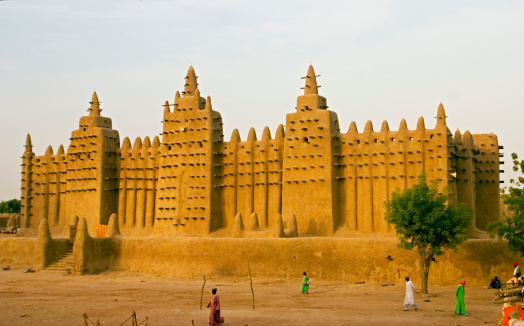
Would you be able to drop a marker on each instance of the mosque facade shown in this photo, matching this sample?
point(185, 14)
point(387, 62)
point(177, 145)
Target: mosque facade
point(191, 181)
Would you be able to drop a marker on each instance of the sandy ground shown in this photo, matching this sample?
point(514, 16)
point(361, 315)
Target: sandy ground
point(55, 298)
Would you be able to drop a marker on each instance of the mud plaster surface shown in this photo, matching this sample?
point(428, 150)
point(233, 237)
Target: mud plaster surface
point(52, 298)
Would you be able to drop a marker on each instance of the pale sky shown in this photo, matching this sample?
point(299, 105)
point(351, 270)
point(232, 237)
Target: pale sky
point(378, 60)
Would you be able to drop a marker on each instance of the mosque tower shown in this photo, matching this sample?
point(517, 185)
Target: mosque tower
point(308, 189)
point(92, 176)
point(188, 194)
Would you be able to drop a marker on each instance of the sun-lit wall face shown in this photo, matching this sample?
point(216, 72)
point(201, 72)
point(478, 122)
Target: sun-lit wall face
point(310, 177)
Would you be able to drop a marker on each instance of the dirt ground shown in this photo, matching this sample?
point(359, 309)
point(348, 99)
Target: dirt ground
point(55, 298)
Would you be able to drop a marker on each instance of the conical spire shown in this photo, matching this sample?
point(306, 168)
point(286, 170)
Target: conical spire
point(457, 138)
point(235, 136)
point(156, 142)
point(420, 124)
point(238, 225)
point(385, 126)
point(441, 115)
point(311, 82)
point(28, 144)
point(126, 144)
point(266, 134)
point(369, 127)
point(253, 222)
point(278, 227)
point(112, 226)
point(95, 105)
point(403, 125)
point(209, 107)
point(352, 128)
point(147, 142)
point(42, 245)
point(166, 108)
point(191, 82)
point(279, 133)
point(467, 140)
point(138, 143)
point(252, 135)
point(60, 150)
point(49, 151)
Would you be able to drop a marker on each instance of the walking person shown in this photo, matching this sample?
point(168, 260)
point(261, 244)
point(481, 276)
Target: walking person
point(409, 299)
point(214, 312)
point(305, 284)
point(460, 307)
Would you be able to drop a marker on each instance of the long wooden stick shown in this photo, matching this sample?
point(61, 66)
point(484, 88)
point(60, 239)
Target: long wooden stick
point(251, 278)
point(202, 293)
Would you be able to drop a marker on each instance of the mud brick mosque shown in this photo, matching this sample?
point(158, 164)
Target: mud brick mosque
point(191, 181)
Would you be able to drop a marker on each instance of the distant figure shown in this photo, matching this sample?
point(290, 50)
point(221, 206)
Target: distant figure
point(214, 312)
point(521, 280)
point(409, 299)
point(305, 284)
point(516, 273)
point(460, 308)
point(495, 283)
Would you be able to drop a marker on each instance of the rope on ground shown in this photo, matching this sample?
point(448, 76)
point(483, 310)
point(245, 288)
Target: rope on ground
point(134, 321)
point(87, 321)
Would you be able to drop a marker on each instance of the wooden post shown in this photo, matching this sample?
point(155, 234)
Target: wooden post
point(251, 278)
point(202, 293)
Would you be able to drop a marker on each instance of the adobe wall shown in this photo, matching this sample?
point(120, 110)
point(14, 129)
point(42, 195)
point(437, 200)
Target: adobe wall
point(191, 181)
point(340, 259)
point(17, 251)
point(350, 260)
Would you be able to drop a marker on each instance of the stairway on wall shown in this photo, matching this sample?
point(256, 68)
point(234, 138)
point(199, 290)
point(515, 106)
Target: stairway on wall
point(63, 264)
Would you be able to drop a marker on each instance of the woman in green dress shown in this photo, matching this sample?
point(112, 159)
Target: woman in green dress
point(460, 308)
point(305, 284)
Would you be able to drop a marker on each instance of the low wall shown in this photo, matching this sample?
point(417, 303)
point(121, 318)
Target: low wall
point(351, 260)
point(343, 259)
point(96, 255)
point(17, 251)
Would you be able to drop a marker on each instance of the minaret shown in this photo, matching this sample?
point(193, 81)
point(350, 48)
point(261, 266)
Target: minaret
point(27, 158)
point(94, 110)
point(442, 158)
point(91, 189)
point(308, 189)
point(188, 193)
point(311, 87)
point(191, 84)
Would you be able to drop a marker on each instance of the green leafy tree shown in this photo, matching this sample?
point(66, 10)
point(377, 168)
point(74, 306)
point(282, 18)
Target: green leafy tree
point(424, 222)
point(10, 206)
point(512, 227)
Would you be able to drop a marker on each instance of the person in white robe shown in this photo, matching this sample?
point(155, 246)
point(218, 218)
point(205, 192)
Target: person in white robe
point(409, 299)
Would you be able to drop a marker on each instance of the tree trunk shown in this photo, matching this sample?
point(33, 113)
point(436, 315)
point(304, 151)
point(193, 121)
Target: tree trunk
point(424, 262)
